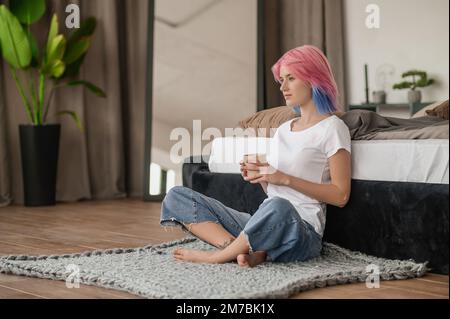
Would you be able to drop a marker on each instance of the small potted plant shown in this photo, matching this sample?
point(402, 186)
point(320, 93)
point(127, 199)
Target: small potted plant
point(414, 96)
point(37, 73)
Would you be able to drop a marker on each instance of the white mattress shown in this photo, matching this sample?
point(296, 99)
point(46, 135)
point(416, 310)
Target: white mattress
point(421, 161)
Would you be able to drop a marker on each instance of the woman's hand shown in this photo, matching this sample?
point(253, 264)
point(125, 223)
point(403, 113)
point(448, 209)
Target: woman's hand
point(264, 174)
point(244, 176)
point(242, 169)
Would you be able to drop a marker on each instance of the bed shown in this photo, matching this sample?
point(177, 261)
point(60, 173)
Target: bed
point(399, 200)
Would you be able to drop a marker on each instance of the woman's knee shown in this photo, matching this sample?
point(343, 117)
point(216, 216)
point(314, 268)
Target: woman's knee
point(278, 201)
point(175, 192)
point(277, 205)
point(177, 201)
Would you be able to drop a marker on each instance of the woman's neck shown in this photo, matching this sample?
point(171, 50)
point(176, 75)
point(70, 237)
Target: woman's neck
point(309, 114)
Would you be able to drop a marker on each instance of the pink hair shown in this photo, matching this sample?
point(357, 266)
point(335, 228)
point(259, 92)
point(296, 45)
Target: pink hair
point(309, 64)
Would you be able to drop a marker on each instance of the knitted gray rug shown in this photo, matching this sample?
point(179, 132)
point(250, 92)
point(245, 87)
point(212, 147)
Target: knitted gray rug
point(152, 272)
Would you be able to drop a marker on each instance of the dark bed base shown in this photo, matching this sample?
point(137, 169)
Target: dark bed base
point(394, 220)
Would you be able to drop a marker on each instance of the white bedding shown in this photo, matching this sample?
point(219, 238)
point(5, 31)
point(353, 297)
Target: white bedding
point(422, 161)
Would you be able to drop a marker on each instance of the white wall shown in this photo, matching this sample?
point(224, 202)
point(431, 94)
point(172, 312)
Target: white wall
point(205, 66)
point(413, 34)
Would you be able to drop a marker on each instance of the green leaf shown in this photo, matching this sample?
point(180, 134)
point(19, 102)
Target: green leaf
point(402, 85)
point(57, 68)
point(94, 89)
point(423, 82)
point(13, 40)
point(73, 64)
point(56, 49)
point(54, 55)
point(53, 32)
point(87, 28)
point(414, 72)
point(34, 49)
point(27, 11)
point(74, 116)
point(41, 97)
point(76, 50)
point(73, 69)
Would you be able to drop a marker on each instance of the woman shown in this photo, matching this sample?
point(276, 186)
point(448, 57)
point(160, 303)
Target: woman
point(312, 169)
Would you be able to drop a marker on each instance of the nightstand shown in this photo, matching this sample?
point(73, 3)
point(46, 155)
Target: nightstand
point(413, 107)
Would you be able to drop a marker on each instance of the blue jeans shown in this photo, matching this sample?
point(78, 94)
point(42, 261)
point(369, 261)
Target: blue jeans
point(276, 227)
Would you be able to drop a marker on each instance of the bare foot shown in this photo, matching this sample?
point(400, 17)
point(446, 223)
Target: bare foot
point(197, 256)
point(246, 260)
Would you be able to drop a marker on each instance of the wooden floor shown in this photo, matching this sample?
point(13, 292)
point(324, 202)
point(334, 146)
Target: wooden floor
point(77, 227)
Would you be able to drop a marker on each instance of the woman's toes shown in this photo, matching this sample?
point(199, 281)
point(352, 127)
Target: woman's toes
point(242, 260)
point(178, 252)
point(246, 260)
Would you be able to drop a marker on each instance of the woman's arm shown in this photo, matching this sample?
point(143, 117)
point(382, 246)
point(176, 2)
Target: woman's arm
point(264, 186)
point(338, 192)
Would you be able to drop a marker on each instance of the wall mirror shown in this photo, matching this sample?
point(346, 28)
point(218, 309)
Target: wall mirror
point(203, 75)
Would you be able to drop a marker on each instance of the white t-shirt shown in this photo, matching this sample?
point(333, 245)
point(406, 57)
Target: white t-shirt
point(304, 154)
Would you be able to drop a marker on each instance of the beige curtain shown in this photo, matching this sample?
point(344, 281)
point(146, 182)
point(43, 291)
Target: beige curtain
point(293, 23)
point(5, 176)
point(106, 161)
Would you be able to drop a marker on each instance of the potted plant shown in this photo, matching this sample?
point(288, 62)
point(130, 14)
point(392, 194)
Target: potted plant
point(42, 71)
point(414, 96)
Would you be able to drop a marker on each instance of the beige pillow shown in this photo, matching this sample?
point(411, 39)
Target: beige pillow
point(272, 118)
point(440, 111)
point(423, 111)
point(269, 118)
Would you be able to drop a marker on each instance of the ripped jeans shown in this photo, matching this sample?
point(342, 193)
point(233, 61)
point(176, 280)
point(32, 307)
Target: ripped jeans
point(276, 227)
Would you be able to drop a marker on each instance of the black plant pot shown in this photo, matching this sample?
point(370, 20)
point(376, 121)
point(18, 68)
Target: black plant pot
point(39, 146)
